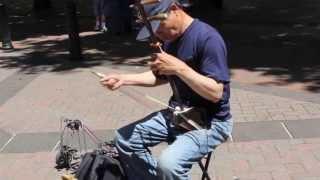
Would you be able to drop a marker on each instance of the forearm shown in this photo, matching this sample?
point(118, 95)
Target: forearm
point(206, 87)
point(141, 79)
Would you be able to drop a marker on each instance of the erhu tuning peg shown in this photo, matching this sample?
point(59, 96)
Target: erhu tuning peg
point(160, 16)
point(144, 2)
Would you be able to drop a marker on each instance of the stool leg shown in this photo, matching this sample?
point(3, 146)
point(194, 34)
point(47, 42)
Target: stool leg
point(204, 168)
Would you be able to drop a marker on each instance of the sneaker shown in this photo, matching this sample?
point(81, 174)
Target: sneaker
point(7, 46)
point(104, 29)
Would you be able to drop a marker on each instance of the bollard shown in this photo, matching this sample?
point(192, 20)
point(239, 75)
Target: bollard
point(4, 28)
point(73, 31)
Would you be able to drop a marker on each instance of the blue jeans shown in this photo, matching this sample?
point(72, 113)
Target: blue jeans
point(175, 162)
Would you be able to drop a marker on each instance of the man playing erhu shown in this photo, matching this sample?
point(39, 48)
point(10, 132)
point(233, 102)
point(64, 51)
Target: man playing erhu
point(194, 58)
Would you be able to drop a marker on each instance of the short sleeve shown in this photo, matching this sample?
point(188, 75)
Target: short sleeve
point(214, 58)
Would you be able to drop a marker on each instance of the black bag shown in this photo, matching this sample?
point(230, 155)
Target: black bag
point(190, 118)
point(98, 166)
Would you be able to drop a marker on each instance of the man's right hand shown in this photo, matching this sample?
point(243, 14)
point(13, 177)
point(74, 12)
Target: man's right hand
point(112, 81)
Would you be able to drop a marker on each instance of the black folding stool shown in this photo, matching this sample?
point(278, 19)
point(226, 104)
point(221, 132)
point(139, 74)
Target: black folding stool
point(204, 168)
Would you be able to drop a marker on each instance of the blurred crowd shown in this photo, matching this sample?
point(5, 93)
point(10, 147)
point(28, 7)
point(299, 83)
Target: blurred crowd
point(116, 17)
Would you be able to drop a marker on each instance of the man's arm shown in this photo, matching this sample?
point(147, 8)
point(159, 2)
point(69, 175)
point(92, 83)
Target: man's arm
point(114, 81)
point(206, 87)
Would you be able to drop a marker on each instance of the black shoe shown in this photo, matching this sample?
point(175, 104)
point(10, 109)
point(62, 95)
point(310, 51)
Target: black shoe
point(96, 28)
point(7, 46)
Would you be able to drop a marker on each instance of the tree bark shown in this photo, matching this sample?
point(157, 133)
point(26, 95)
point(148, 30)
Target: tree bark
point(4, 28)
point(73, 31)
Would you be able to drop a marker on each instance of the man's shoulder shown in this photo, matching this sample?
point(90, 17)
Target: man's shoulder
point(204, 26)
point(205, 31)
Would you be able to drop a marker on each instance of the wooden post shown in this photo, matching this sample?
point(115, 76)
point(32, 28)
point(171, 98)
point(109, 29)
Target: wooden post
point(73, 31)
point(4, 28)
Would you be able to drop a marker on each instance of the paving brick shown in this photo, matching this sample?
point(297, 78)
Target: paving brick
point(307, 147)
point(283, 148)
point(272, 158)
point(290, 158)
point(274, 166)
point(221, 167)
point(295, 168)
point(241, 166)
point(317, 155)
point(278, 117)
point(268, 148)
point(252, 147)
point(291, 117)
point(304, 176)
point(255, 176)
point(258, 131)
point(310, 178)
point(280, 176)
point(311, 166)
point(307, 129)
point(297, 141)
point(224, 177)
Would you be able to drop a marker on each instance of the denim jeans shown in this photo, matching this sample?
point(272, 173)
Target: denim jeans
point(185, 147)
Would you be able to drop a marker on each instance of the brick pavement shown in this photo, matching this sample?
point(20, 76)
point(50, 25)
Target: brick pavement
point(278, 160)
point(253, 106)
point(31, 110)
point(56, 90)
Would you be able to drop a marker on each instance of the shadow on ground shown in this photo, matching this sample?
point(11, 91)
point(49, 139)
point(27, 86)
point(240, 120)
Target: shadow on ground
point(278, 38)
point(272, 37)
point(98, 49)
point(42, 44)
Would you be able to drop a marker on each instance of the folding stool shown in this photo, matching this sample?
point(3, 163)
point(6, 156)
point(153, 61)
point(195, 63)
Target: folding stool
point(204, 168)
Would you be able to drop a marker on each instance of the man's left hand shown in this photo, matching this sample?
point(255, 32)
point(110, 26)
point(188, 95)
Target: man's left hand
point(166, 64)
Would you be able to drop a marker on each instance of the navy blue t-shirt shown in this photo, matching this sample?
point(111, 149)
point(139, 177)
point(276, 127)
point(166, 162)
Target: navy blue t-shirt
point(203, 49)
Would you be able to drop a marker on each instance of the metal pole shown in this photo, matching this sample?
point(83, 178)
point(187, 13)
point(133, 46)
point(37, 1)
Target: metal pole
point(4, 28)
point(73, 31)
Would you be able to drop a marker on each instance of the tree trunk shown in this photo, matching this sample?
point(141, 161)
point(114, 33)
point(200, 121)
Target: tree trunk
point(73, 31)
point(5, 33)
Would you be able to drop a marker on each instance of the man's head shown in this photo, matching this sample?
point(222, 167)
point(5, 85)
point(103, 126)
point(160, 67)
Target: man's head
point(168, 28)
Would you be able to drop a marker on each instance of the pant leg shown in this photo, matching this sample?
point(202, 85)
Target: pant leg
point(126, 15)
point(132, 142)
point(101, 7)
point(189, 148)
point(96, 7)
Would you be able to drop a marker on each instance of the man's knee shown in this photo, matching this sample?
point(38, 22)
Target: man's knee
point(119, 140)
point(169, 165)
point(131, 144)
